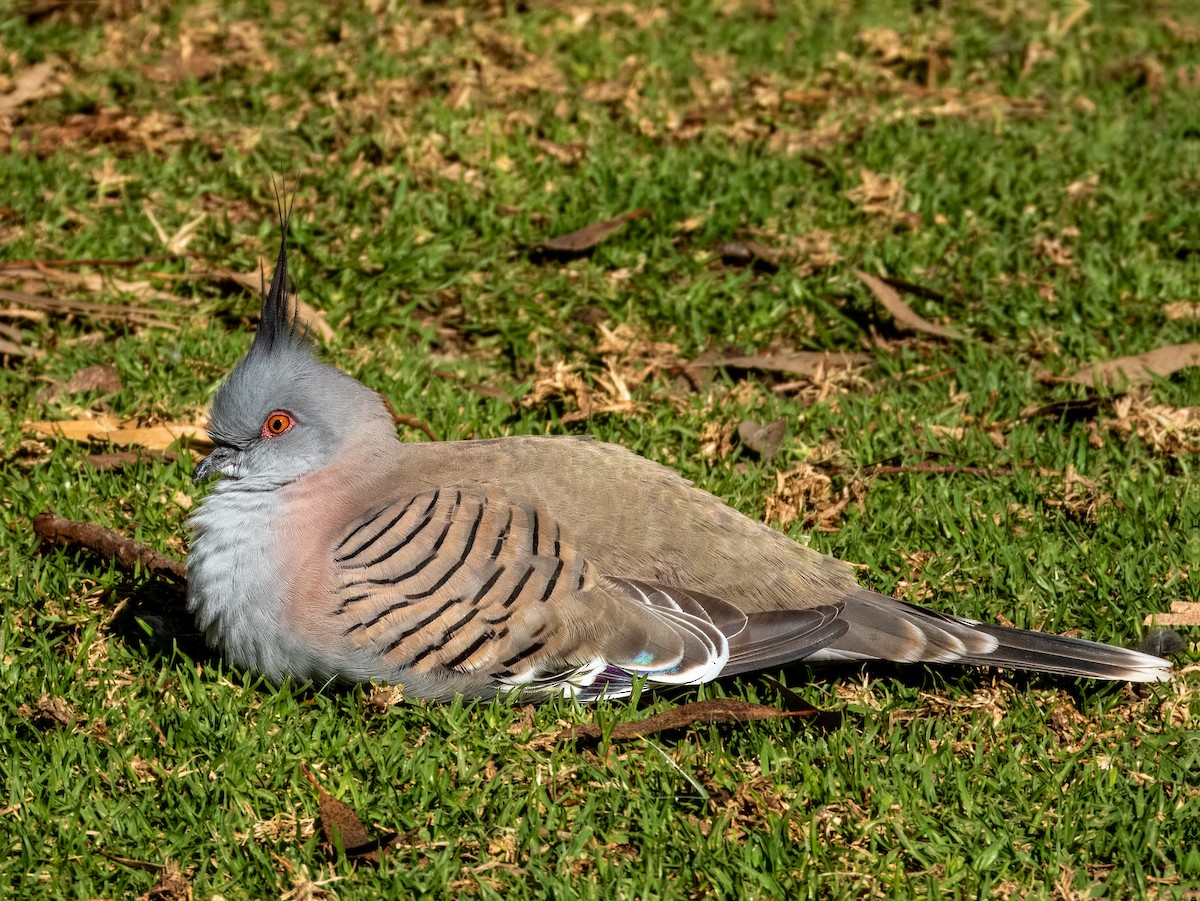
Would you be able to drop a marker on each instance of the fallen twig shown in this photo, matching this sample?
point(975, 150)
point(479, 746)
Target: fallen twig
point(685, 716)
point(127, 553)
point(119, 264)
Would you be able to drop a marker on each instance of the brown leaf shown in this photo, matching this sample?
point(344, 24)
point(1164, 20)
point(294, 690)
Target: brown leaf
point(562, 382)
point(49, 713)
point(715, 711)
point(1084, 187)
point(716, 440)
point(749, 253)
point(341, 825)
point(34, 83)
point(184, 64)
point(578, 243)
point(382, 698)
point(901, 312)
point(809, 253)
point(12, 349)
point(764, 440)
point(125, 432)
point(1181, 309)
point(882, 195)
point(11, 331)
point(1167, 430)
point(1138, 368)
point(343, 830)
point(172, 884)
point(111, 128)
point(802, 493)
point(1183, 613)
point(568, 154)
point(1055, 251)
point(102, 377)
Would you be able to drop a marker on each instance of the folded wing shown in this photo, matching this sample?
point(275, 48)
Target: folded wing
point(464, 590)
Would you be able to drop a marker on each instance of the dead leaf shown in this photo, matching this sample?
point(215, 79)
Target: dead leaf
point(567, 154)
point(605, 91)
point(809, 253)
point(1182, 309)
point(901, 312)
point(304, 886)
point(342, 827)
point(563, 382)
point(177, 243)
point(764, 440)
point(103, 127)
point(1166, 430)
point(712, 712)
point(125, 432)
point(12, 349)
point(49, 713)
point(1135, 369)
point(1084, 187)
point(1143, 71)
point(716, 440)
point(172, 884)
point(882, 195)
point(693, 224)
point(885, 44)
point(1183, 613)
point(803, 493)
point(343, 830)
point(382, 698)
point(1056, 252)
point(33, 83)
point(580, 242)
point(748, 253)
point(184, 64)
point(102, 377)
point(1081, 497)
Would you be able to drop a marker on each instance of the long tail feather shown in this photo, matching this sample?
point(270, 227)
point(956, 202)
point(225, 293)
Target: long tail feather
point(1048, 653)
point(888, 629)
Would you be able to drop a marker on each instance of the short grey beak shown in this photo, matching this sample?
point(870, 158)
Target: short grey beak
point(213, 463)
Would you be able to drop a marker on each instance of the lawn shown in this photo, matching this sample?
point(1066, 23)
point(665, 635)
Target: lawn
point(1024, 173)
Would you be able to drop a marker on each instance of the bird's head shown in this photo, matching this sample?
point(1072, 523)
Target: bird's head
point(282, 413)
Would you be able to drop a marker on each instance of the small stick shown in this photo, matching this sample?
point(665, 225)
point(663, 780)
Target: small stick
point(413, 422)
point(120, 264)
point(410, 421)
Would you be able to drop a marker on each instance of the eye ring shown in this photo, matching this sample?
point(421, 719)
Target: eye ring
point(278, 422)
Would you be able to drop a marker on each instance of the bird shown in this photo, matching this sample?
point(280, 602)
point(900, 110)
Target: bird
point(329, 551)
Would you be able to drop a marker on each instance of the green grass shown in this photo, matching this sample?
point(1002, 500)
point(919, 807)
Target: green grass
point(417, 141)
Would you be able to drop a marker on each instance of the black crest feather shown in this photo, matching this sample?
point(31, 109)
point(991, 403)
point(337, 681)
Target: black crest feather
point(279, 325)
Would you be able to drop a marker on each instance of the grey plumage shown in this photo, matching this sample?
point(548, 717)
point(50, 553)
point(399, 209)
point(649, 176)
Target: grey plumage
point(330, 550)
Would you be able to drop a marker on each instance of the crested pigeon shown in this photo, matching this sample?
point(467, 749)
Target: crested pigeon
point(547, 566)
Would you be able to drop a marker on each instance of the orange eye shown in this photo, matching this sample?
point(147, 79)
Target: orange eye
point(277, 423)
